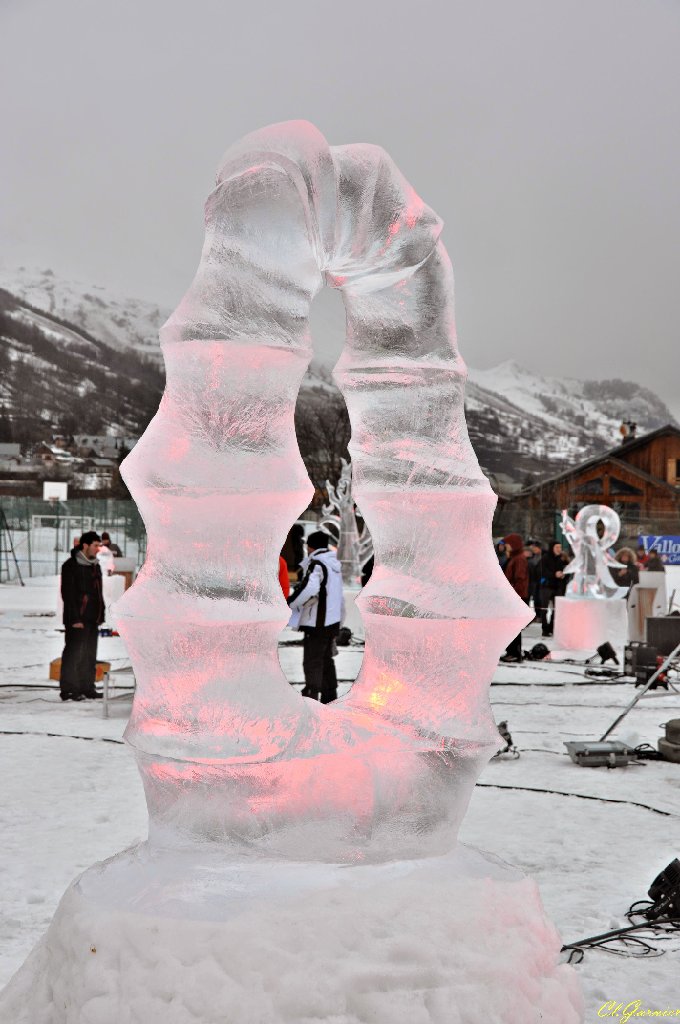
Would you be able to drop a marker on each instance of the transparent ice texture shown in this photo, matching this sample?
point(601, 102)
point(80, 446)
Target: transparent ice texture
point(594, 531)
point(228, 750)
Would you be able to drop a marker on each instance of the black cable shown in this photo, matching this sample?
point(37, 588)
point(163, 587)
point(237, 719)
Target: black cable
point(58, 735)
point(647, 752)
point(662, 930)
point(542, 750)
point(579, 796)
point(644, 905)
point(28, 686)
point(604, 672)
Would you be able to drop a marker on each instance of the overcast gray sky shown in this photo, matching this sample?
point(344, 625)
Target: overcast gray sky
point(544, 132)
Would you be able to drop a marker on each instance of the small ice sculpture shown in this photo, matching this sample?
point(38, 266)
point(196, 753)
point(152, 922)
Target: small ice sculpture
point(339, 519)
point(592, 561)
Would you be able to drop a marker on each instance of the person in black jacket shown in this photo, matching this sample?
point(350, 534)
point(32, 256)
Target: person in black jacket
point(81, 592)
point(534, 563)
point(629, 575)
point(553, 584)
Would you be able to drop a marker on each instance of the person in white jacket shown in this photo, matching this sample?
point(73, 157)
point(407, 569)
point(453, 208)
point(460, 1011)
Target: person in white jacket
point(318, 608)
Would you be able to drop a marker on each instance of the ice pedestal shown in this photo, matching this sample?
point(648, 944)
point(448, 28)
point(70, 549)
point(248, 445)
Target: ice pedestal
point(151, 937)
point(583, 624)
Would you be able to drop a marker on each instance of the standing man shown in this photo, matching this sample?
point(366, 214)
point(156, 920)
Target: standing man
point(81, 592)
point(534, 559)
point(517, 572)
point(318, 607)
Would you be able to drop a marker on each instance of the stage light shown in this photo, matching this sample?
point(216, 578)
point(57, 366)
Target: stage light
point(664, 892)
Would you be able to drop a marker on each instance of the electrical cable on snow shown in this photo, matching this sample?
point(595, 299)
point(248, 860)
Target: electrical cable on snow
point(660, 930)
point(579, 796)
point(58, 735)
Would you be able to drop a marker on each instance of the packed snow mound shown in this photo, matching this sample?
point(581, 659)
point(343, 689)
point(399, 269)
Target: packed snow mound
point(455, 940)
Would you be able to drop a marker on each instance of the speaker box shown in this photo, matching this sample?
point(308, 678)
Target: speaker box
point(663, 632)
point(640, 660)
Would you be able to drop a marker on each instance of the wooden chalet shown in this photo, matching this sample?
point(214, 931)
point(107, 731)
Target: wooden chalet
point(640, 479)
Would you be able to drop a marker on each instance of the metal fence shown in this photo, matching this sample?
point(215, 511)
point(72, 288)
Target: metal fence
point(36, 536)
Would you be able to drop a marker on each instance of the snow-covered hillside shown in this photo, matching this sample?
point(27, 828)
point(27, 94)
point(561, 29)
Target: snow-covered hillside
point(524, 424)
point(120, 322)
point(57, 377)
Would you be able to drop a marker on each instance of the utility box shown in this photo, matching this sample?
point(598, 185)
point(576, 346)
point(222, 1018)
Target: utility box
point(600, 753)
point(663, 632)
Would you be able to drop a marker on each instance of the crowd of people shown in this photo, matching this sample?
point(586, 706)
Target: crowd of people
point(536, 572)
point(537, 575)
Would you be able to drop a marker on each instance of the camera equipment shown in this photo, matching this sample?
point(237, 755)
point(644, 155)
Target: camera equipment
point(664, 892)
point(607, 653)
point(509, 747)
point(642, 661)
point(650, 682)
point(537, 653)
point(662, 922)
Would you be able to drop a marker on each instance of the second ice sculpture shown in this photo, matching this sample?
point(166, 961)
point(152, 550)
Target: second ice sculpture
point(226, 748)
point(340, 521)
point(591, 563)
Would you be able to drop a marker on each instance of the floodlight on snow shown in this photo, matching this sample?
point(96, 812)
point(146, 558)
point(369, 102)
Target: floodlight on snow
point(664, 892)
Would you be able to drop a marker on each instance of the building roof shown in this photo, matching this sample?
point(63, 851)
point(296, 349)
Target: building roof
point(613, 455)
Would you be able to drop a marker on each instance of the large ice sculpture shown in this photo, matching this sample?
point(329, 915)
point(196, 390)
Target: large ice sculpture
point(296, 841)
point(591, 563)
point(225, 746)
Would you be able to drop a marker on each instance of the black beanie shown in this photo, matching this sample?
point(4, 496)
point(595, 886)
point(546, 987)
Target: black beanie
point(318, 540)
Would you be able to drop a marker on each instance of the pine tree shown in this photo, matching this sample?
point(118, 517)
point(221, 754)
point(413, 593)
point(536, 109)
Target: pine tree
point(6, 432)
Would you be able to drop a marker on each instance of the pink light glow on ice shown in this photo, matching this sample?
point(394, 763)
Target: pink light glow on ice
point(225, 745)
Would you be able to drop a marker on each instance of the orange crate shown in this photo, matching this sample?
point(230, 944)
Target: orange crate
point(102, 668)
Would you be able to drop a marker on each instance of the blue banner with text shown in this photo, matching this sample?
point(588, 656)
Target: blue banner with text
point(668, 547)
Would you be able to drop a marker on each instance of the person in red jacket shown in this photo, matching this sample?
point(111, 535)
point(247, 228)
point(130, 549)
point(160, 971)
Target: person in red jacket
point(517, 571)
point(284, 578)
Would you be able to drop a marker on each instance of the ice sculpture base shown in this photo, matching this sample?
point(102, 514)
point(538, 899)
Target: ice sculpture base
point(148, 937)
point(583, 624)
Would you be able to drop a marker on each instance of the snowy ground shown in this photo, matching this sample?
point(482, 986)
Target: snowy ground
point(72, 795)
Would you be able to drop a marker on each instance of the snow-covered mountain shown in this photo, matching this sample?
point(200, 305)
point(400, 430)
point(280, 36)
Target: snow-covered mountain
point(119, 322)
point(57, 377)
point(523, 424)
point(61, 341)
